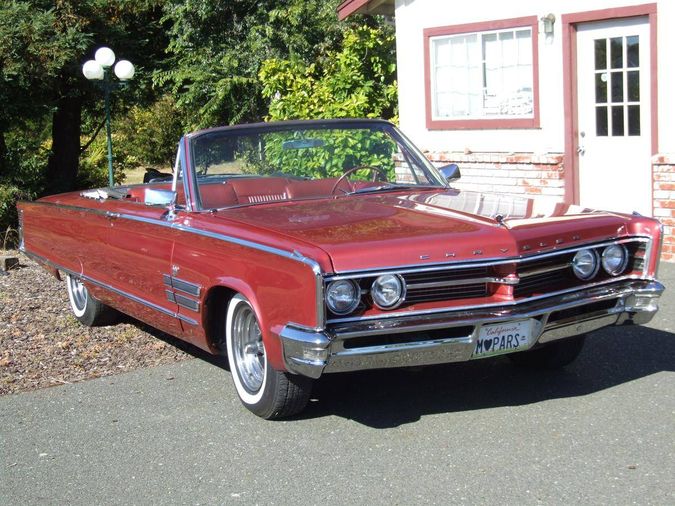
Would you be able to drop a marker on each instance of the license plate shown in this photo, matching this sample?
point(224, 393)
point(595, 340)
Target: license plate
point(498, 338)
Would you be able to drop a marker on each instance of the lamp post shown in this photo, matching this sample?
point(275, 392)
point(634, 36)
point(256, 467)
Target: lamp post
point(98, 70)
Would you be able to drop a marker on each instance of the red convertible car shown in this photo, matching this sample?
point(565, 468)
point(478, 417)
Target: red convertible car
point(308, 247)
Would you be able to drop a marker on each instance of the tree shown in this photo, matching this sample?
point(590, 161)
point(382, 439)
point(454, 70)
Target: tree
point(34, 48)
point(358, 80)
point(42, 47)
point(217, 49)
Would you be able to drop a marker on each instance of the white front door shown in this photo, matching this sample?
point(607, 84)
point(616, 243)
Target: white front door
point(614, 123)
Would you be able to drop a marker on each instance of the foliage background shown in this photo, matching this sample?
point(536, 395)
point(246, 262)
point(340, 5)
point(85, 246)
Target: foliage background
point(199, 63)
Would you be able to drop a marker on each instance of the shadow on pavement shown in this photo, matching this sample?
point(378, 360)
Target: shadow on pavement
point(390, 398)
point(190, 349)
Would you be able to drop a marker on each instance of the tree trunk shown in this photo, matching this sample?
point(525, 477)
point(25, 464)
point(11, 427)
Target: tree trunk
point(3, 154)
point(64, 158)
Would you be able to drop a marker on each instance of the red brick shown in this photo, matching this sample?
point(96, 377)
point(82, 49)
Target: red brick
point(665, 204)
point(667, 257)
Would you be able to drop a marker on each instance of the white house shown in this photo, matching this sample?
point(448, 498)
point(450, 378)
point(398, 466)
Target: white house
point(572, 99)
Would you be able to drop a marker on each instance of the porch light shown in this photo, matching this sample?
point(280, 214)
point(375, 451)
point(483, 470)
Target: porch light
point(549, 21)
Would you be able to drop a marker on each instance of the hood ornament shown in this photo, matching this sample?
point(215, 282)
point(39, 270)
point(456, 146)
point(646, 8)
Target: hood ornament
point(499, 218)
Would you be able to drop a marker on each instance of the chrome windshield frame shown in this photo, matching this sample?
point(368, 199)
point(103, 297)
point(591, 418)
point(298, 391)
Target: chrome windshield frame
point(408, 148)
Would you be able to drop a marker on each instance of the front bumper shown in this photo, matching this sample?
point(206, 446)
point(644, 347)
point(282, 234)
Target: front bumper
point(451, 336)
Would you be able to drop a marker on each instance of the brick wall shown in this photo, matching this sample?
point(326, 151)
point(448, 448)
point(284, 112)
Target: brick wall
point(663, 175)
point(512, 173)
point(525, 174)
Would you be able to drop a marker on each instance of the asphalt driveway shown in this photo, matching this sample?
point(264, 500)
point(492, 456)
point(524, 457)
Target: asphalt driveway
point(601, 431)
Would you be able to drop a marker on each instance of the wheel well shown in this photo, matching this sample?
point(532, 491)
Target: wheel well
point(216, 302)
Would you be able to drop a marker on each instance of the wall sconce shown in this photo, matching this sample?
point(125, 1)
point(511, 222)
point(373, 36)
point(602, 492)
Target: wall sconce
point(549, 21)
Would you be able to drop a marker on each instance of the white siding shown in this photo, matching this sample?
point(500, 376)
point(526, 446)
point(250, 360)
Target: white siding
point(412, 16)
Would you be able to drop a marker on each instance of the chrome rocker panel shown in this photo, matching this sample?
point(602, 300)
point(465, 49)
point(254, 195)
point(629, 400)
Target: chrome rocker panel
point(311, 353)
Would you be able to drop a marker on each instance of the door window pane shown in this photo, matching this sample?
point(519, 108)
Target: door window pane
point(601, 128)
point(600, 54)
point(617, 121)
point(633, 51)
point(633, 120)
point(616, 48)
point(633, 85)
point(601, 88)
point(617, 86)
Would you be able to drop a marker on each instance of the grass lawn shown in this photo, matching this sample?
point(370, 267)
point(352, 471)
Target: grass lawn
point(134, 176)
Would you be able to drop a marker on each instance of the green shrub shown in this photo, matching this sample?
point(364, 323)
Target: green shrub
point(9, 195)
point(148, 136)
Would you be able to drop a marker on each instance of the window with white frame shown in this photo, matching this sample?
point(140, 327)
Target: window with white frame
point(482, 75)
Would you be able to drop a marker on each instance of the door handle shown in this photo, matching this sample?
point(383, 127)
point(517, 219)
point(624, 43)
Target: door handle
point(112, 216)
point(581, 150)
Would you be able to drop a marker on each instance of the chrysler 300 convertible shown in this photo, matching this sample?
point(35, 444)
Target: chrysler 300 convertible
point(303, 248)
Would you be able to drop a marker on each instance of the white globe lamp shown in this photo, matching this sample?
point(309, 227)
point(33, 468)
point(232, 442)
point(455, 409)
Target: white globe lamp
point(105, 56)
point(92, 70)
point(124, 70)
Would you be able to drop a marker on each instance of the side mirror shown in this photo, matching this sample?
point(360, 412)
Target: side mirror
point(159, 197)
point(450, 172)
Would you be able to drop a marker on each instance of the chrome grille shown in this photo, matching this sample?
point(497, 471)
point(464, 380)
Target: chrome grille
point(539, 276)
point(502, 280)
point(446, 284)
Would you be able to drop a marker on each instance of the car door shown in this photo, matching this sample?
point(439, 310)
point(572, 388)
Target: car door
point(140, 245)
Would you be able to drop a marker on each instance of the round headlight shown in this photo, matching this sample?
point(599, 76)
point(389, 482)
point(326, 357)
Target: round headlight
point(585, 264)
point(614, 259)
point(343, 296)
point(388, 291)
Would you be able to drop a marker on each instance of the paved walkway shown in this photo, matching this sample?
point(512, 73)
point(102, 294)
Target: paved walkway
point(599, 432)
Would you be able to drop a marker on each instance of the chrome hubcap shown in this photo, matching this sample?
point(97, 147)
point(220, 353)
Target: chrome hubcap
point(248, 349)
point(78, 291)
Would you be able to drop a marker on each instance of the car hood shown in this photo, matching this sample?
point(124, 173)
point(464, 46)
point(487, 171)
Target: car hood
point(371, 231)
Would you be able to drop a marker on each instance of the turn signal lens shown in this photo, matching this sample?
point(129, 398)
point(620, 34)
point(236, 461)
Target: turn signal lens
point(614, 259)
point(388, 291)
point(585, 264)
point(342, 296)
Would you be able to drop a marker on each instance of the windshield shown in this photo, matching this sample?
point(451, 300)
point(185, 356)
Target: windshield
point(280, 162)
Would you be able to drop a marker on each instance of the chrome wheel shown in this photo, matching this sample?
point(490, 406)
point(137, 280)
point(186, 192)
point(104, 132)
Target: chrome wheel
point(267, 392)
point(248, 348)
point(78, 295)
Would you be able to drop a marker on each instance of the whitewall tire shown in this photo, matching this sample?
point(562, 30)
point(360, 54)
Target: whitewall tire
point(263, 390)
point(86, 308)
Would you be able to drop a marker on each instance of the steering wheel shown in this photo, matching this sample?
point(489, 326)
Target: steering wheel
point(377, 174)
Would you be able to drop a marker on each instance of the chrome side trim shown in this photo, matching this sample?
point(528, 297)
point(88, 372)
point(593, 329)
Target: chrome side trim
point(186, 302)
point(658, 252)
point(21, 241)
point(183, 286)
point(105, 286)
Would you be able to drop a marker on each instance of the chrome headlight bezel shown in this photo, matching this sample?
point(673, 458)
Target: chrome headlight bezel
point(621, 267)
point(586, 257)
point(375, 291)
point(355, 298)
